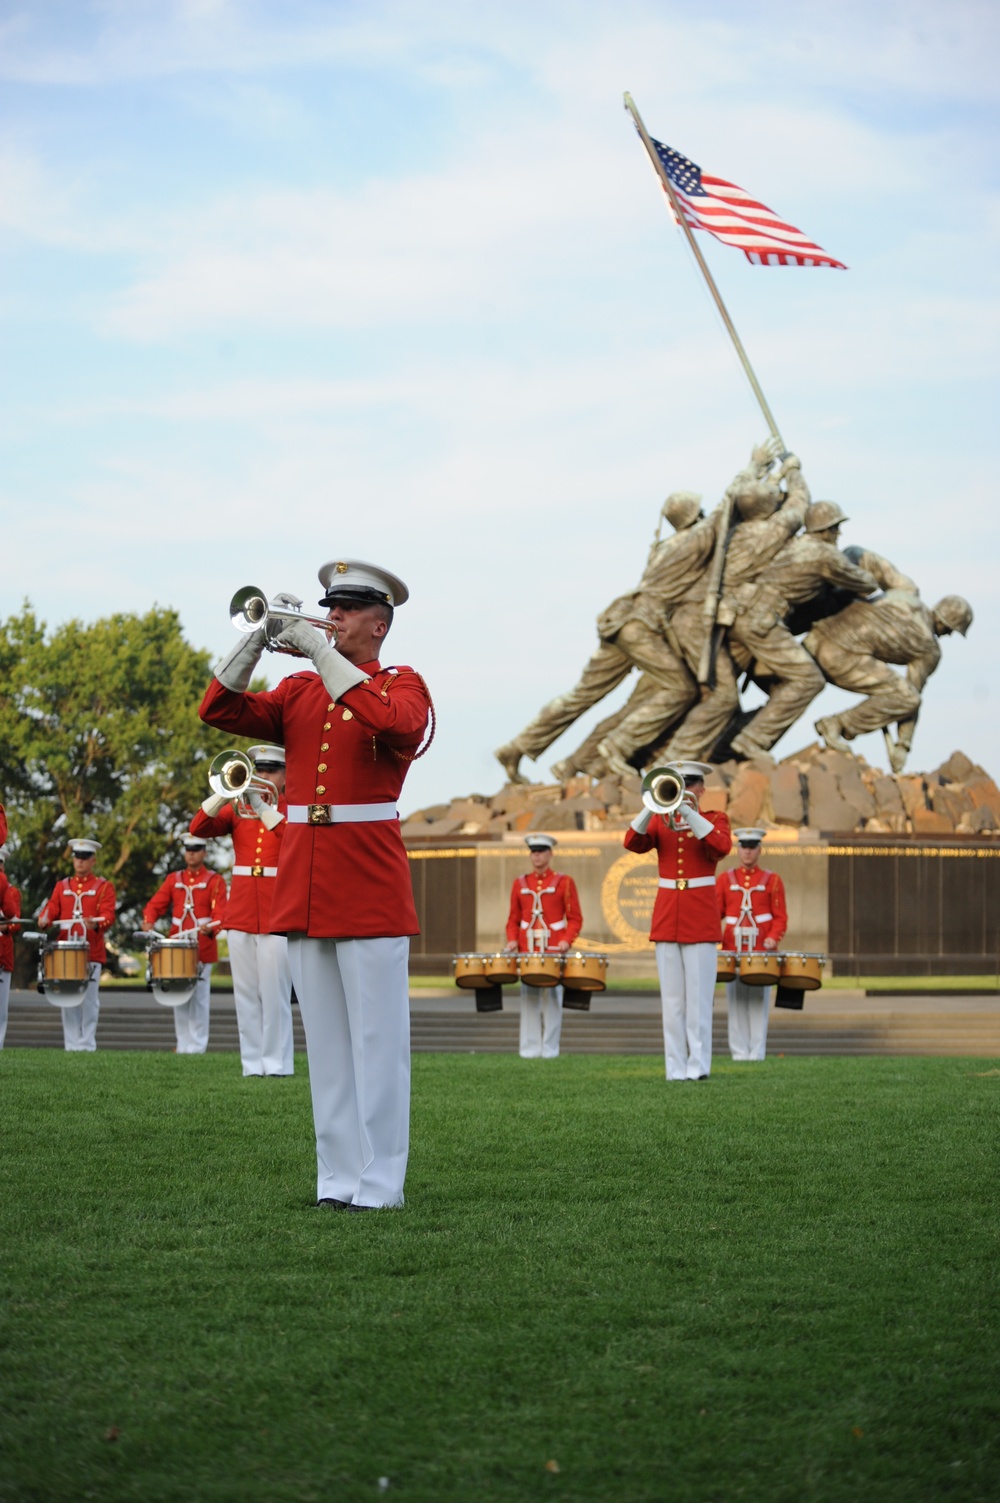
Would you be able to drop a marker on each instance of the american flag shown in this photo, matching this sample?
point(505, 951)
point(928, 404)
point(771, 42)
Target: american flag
point(732, 216)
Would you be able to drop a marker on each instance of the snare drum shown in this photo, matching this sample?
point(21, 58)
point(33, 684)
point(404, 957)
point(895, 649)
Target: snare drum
point(760, 969)
point(173, 970)
point(470, 971)
point(540, 970)
point(725, 967)
point(64, 965)
point(585, 973)
point(501, 969)
point(802, 973)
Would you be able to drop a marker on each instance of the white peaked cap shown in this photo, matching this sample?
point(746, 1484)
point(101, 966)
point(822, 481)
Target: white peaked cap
point(540, 842)
point(267, 754)
point(84, 847)
point(750, 833)
point(693, 769)
point(193, 842)
point(354, 578)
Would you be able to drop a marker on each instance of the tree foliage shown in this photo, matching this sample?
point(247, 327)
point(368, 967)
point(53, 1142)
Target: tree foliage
point(100, 736)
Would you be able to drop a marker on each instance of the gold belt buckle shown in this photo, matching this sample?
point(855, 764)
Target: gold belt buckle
point(256, 871)
point(682, 883)
point(319, 814)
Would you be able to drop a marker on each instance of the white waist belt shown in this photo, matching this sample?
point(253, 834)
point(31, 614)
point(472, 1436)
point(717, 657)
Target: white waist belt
point(759, 918)
point(557, 924)
point(683, 882)
point(255, 871)
point(339, 814)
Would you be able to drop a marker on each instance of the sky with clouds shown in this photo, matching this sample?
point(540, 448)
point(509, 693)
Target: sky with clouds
point(286, 282)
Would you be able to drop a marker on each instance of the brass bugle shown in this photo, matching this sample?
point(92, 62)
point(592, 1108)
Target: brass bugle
point(664, 790)
point(250, 609)
point(232, 776)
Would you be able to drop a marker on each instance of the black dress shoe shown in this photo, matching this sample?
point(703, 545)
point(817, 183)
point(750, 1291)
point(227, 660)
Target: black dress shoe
point(702, 1077)
point(362, 1208)
point(334, 1205)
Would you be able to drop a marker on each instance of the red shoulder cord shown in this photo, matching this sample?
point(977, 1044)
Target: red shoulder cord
point(422, 750)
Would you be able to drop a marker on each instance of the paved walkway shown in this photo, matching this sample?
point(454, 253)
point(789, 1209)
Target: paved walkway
point(831, 1022)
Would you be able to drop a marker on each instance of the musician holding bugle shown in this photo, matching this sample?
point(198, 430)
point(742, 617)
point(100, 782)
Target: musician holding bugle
point(685, 929)
point(343, 895)
point(196, 900)
point(262, 982)
point(10, 912)
point(83, 906)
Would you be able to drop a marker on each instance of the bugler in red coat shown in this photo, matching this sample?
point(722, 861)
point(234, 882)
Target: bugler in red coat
point(686, 910)
point(255, 866)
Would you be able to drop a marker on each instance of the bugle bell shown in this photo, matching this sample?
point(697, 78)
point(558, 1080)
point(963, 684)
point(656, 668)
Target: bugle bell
point(232, 776)
point(250, 609)
point(664, 790)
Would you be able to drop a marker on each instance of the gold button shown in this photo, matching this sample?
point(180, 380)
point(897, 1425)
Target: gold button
point(321, 767)
point(320, 788)
point(347, 715)
point(330, 707)
point(327, 726)
point(325, 746)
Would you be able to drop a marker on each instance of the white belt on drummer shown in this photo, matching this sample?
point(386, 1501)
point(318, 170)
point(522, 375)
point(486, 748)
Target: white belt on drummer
point(339, 814)
point(255, 871)
point(759, 918)
point(556, 924)
point(684, 882)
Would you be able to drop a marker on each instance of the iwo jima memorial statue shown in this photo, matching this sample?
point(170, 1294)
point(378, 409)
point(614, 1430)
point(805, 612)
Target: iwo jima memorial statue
point(754, 591)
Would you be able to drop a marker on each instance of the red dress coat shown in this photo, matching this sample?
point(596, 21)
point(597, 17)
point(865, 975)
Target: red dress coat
point(767, 906)
point(255, 846)
point(347, 880)
point(10, 907)
point(208, 901)
point(560, 908)
point(3, 824)
point(97, 900)
point(684, 914)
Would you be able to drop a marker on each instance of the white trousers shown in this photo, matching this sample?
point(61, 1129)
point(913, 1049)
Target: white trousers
point(687, 989)
point(191, 1017)
point(749, 1010)
point(80, 1022)
point(262, 989)
point(354, 999)
point(541, 1021)
point(4, 1003)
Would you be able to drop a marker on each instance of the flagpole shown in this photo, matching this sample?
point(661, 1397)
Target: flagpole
point(695, 251)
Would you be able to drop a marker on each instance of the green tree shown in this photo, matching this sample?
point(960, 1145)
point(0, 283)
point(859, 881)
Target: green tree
point(100, 736)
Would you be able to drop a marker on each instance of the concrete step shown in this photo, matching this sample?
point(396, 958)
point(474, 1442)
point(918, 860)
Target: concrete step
point(949, 1031)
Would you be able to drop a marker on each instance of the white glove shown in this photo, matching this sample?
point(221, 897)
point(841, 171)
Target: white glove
point(695, 821)
point(641, 822)
point(337, 673)
point(268, 815)
point(214, 804)
point(236, 669)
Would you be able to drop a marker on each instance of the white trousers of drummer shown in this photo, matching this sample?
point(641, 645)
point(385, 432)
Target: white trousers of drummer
point(191, 1017)
point(354, 1001)
point(541, 1021)
point(749, 1010)
point(79, 1023)
point(4, 1003)
point(262, 989)
point(687, 991)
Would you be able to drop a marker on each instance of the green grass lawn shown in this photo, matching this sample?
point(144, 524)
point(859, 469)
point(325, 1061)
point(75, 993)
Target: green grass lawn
point(780, 1284)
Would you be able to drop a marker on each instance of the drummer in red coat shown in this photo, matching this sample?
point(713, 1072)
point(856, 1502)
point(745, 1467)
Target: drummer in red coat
point(689, 846)
point(83, 906)
point(343, 893)
point(195, 898)
point(544, 916)
point(10, 909)
point(754, 918)
point(262, 982)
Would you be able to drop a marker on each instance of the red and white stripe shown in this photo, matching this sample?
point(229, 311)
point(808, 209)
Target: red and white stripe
point(732, 216)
